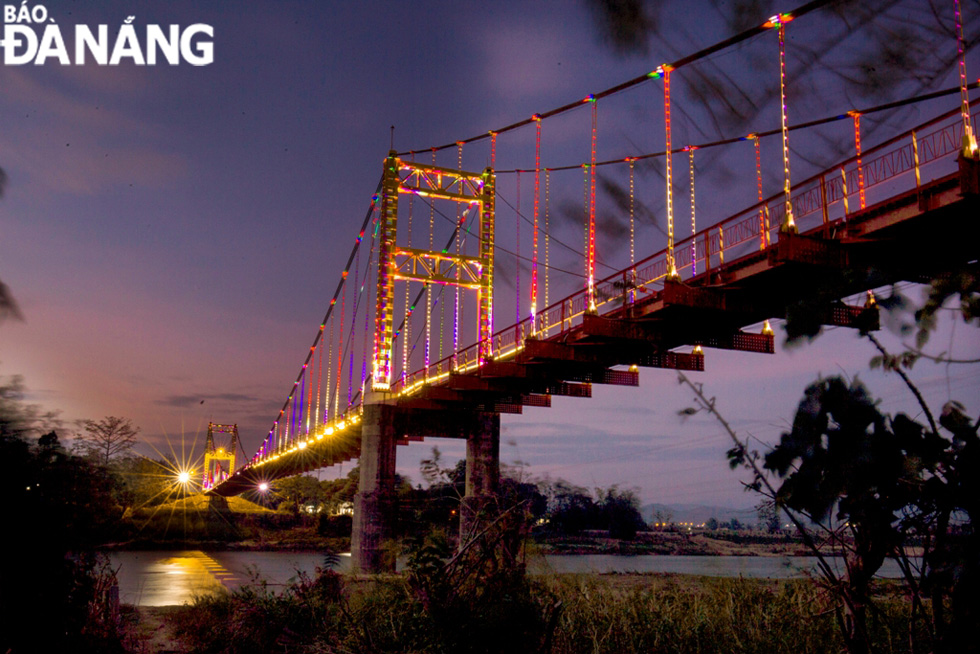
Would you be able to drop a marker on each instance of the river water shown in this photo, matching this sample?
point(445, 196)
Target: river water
point(167, 578)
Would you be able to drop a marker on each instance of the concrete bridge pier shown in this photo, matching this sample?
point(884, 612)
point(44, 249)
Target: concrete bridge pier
point(374, 505)
point(482, 474)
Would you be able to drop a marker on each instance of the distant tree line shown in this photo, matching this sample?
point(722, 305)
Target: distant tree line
point(551, 507)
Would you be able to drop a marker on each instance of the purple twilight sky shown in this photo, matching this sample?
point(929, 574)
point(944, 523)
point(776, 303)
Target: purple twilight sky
point(173, 234)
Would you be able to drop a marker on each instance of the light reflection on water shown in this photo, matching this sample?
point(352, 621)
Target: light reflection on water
point(167, 578)
point(164, 578)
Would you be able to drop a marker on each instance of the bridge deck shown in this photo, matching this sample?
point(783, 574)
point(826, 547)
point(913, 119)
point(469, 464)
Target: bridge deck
point(886, 243)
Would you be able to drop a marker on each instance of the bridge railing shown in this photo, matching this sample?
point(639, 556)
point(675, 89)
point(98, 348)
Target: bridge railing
point(885, 171)
point(823, 200)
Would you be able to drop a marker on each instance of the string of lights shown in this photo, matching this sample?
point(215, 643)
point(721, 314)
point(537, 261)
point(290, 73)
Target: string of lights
point(762, 134)
point(301, 406)
point(333, 301)
point(689, 59)
point(590, 249)
point(537, 201)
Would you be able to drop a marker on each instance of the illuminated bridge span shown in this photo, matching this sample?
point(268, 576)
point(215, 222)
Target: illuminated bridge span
point(409, 347)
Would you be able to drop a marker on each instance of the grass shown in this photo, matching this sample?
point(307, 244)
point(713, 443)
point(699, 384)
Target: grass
point(680, 614)
point(561, 614)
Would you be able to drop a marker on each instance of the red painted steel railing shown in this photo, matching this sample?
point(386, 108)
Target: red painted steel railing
point(818, 200)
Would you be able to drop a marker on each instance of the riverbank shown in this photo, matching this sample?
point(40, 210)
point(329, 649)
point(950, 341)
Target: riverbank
point(287, 543)
point(697, 543)
point(235, 524)
point(562, 614)
point(150, 630)
point(678, 543)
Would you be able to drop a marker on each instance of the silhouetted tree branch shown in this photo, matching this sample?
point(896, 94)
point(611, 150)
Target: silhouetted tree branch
point(8, 306)
point(106, 439)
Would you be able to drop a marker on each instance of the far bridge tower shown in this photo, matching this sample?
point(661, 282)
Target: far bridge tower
point(219, 462)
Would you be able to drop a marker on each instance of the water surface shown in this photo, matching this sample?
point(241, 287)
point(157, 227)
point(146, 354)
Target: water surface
point(167, 578)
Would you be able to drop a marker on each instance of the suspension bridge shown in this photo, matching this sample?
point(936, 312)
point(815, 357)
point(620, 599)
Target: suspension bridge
point(410, 346)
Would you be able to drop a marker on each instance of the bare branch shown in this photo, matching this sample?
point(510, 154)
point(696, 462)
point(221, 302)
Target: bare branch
point(908, 382)
point(826, 570)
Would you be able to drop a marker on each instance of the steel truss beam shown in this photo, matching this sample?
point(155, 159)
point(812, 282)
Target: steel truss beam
point(845, 315)
point(439, 267)
point(437, 182)
point(672, 361)
point(740, 341)
point(809, 250)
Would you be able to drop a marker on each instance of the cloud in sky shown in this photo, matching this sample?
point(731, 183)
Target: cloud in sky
point(70, 138)
point(184, 401)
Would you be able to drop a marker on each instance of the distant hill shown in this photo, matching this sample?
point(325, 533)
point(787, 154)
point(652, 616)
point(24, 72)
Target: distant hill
point(697, 513)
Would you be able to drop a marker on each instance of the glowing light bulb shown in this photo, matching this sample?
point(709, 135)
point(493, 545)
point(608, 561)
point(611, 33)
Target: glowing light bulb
point(184, 477)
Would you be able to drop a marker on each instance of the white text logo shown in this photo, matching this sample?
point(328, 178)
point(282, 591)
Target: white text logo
point(32, 36)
